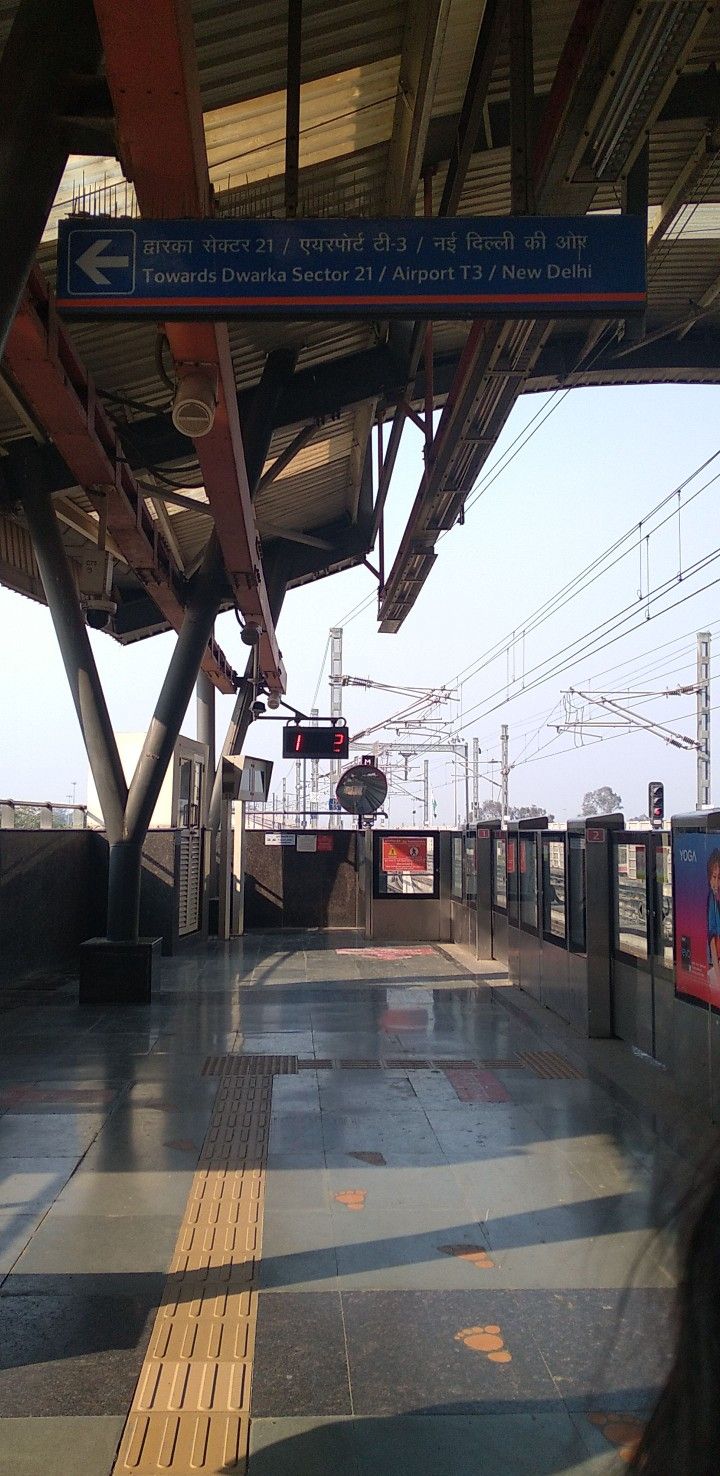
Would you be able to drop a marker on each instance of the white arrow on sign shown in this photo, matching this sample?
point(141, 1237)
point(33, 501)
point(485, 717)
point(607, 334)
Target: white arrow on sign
point(92, 260)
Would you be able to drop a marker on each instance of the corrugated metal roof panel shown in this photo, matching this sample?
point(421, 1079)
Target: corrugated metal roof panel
point(487, 185)
point(242, 49)
point(349, 110)
point(297, 498)
point(551, 24)
point(707, 50)
point(8, 9)
point(351, 185)
point(671, 147)
point(680, 273)
point(463, 24)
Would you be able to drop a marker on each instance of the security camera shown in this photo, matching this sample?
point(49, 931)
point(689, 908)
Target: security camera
point(273, 702)
point(257, 709)
point(99, 612)
point(250, 634)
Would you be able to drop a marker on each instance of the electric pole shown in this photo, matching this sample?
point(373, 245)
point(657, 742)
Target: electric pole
point(504, 772)
point(314, 774)
point(703, 719)
point(298, 788)
point(336, 686)
point(426, 793)
point(476, 778)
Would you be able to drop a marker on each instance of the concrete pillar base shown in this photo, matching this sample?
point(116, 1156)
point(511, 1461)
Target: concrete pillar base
point(119, 973)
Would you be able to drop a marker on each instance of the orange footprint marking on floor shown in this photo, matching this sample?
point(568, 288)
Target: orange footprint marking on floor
point(622, 1431)
point(474, 1253)
point(488, 1340)
point(353, 1199)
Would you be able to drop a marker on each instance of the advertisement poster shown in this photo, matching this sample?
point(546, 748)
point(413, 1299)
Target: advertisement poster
point(696, 860)
point(404, 853)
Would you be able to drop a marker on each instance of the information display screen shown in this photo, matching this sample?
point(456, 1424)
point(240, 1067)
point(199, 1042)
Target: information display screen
point(304, 742)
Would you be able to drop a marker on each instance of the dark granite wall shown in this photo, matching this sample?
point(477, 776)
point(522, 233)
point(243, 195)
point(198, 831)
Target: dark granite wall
point(287, 888)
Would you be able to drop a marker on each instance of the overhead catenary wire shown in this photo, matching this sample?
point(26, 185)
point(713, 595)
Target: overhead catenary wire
point(611, 640)
point(581, 581)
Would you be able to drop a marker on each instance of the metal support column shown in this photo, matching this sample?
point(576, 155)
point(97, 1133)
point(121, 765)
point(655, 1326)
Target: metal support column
point(522, 96)
point(426, 793)
point(292, 120)
point(466, 761)
point(126, 857)
point(314, 773)
point(336, 658)
point(205, 726)
point(75, 649)
point(703, 719)
point(476, 778)
point(428, 357)
point(208, 591)
point(504, 772)
point(257, 435)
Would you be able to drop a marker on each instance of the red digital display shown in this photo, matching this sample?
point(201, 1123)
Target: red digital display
point(303, 742)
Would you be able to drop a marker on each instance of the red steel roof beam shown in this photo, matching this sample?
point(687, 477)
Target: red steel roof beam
point(152, 74)
point(578, 47)
point(61, 395)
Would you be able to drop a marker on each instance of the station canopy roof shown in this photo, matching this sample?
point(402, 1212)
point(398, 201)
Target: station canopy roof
point(622, 112)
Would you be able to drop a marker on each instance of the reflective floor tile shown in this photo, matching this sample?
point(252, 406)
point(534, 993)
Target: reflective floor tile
point(75, 1446)
point(300, 1361)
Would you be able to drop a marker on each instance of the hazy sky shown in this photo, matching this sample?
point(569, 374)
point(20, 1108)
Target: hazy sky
point(594, 468)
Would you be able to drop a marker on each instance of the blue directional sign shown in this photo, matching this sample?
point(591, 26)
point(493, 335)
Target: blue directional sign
point(463, 267)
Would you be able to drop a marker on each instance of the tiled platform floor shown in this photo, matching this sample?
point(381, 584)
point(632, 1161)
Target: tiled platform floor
point(408, 1212)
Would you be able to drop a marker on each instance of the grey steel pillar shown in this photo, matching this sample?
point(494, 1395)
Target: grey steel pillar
point(71, 631)
point(209, 588)
point(125, 870)
point(206, 716)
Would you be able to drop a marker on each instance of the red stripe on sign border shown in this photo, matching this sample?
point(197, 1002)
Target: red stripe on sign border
point(475, 299)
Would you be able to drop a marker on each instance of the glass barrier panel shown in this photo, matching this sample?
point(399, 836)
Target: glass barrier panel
point(663, 906)
point(576, 892)
point(406, 866)
point(554, 911)
point(184, 790)
point(470, 867)
point(499, 873)
point(631, 921)
point(528, 881)
point(511, 881)
point(457, 867)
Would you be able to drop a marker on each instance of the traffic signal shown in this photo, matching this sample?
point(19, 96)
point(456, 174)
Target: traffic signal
point(656, 801)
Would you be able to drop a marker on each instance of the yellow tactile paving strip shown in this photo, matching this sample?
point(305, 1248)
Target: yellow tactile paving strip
point(550, 1065)
point(191, 1408)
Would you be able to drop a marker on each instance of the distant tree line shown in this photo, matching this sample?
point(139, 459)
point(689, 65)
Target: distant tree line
point(492, 810)
point(602, 801)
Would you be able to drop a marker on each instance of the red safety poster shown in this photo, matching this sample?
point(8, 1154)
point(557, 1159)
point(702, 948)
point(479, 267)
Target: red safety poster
point(404, 853)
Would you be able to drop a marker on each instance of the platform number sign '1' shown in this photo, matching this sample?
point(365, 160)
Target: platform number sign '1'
point(301, 742)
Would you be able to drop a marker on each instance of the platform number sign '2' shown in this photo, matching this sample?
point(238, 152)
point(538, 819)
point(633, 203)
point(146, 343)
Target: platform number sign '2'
point(303, 742)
